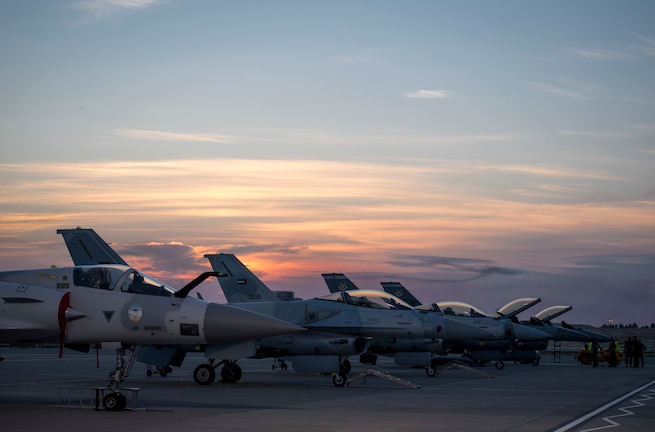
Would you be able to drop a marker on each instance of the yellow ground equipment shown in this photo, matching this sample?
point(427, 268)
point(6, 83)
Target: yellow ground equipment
point(584, 356)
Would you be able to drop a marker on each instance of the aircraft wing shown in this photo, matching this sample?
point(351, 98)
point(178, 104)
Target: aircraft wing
point(87, 247)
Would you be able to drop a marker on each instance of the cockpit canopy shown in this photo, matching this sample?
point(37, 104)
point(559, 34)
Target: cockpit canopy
point(127, 279)
point(517, 306)
point(552, 312)
point(368, 298)
point(460, 309)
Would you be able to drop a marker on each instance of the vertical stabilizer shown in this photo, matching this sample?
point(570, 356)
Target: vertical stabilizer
point(337, 282)
point(397, 289)
point(87, 247)
point(240, 285)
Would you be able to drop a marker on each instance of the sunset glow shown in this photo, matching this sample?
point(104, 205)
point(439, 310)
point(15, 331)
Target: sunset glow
point(379, 150)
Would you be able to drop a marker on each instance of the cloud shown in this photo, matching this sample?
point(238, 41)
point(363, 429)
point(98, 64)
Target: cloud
point(97, 10)
point(574, 90)
point(648, 44)
point(598, 54)
point(462, 265)
point(581, 91)
point(428, 94)
point(174, 136)
point(556, 171)
point(596, 134)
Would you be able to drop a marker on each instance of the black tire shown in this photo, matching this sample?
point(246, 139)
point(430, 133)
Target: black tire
point(345, 367)
point(430, 371)
point(204, 374)
point(500, 364)
point(114, 402)
point(339, 380)
point(231, 372)
point(535, 362)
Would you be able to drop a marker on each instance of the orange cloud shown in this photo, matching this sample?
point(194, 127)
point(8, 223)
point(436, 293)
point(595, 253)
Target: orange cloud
point(317, 212)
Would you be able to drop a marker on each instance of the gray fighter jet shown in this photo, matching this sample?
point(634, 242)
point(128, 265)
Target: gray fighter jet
point(565, 332)
point(504, 336)
point(390, 326)
point(525, 350)
point(117, 306)
point(313, 351)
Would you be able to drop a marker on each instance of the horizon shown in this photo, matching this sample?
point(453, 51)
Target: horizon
point(477, 151)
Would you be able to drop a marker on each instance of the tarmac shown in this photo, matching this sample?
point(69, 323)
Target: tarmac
point(39, 390)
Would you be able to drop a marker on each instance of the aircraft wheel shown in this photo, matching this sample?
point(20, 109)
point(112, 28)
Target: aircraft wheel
point(344, 367)
point(339, 380)
point(535, 362)
point(149, 372)
point(500, 364)
point(114, 402)
point(430, 371)
point(204, 374)
point(231, 372)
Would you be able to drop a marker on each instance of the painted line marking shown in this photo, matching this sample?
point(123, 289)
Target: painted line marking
point(601, 409)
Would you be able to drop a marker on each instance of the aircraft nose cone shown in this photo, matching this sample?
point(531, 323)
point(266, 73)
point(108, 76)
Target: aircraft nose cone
point(525, 333)
point(224, 323)
point(459, 329)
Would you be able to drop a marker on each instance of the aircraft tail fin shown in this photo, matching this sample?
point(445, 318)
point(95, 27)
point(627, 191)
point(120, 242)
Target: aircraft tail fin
point(240, 285)
point(397, 289)
point(338, 282)
point(87, 247)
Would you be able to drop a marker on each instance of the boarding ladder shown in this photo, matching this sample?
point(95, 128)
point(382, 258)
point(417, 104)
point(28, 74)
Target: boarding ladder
point(380, 374)
point(457, 365)
point(557, 351)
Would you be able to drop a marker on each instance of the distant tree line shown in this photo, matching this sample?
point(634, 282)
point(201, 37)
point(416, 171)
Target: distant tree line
point(628, 326)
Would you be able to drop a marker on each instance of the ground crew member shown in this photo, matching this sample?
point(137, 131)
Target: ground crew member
point(594, 352)
point(612, 357)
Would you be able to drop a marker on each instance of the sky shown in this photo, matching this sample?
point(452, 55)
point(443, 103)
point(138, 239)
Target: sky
point(474, 151)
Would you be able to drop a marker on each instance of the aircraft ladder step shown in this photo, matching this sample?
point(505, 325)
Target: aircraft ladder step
point(380, 374)
point(458, 365)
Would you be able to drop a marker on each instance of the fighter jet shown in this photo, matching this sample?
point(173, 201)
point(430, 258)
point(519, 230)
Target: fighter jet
point(565, 332)
point(315, 350)
point(504, 336)
point(118, 306)
point(526, 350)
point(541, 321)
point(389, 325)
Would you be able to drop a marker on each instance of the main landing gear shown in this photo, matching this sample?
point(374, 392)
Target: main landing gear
point(205, 374)
point(163, 371)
